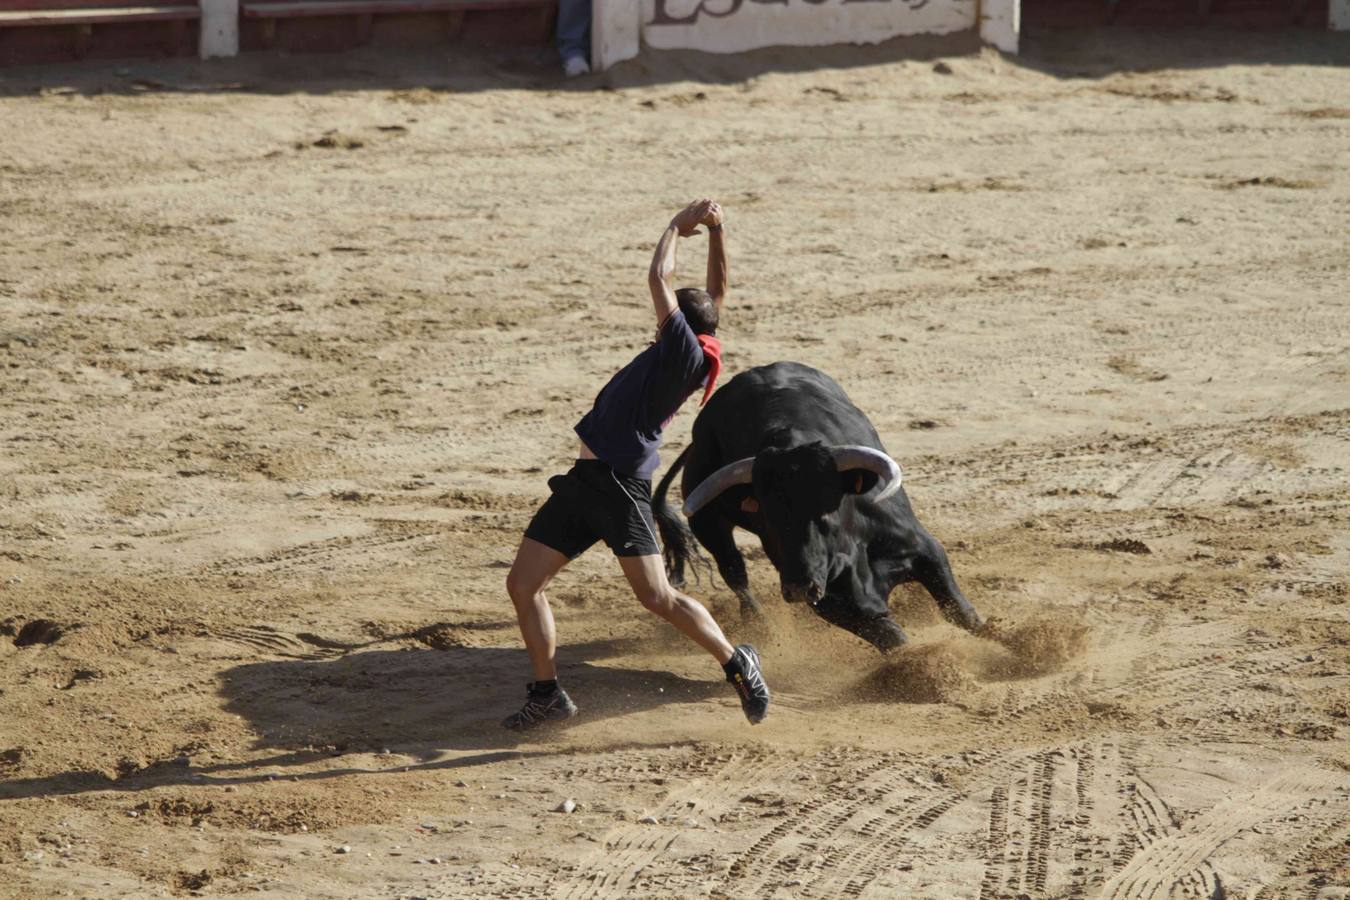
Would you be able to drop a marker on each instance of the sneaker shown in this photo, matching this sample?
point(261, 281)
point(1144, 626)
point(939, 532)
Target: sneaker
point(747, 677)
point(576, 65)
point(541, 709)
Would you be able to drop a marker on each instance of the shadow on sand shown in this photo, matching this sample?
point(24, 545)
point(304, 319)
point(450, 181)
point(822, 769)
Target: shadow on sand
point(470, 68)
point(414, 702)
point(462, 68)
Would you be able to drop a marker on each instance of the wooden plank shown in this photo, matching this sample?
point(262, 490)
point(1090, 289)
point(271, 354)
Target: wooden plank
point(288, 9)
point(41, 6)
point(177, 37)
point(85, 17)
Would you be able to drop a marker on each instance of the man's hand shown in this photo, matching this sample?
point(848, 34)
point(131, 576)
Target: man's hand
point(687, 220)
point(685, 224)
point(713, 215)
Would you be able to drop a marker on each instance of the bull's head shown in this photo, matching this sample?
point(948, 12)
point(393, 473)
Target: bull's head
point(799, 492)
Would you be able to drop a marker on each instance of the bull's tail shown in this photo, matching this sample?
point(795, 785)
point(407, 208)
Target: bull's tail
point(680, 547)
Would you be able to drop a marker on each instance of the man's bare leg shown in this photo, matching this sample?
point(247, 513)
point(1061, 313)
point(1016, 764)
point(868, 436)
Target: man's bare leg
point(647, 576)
point(533, 569)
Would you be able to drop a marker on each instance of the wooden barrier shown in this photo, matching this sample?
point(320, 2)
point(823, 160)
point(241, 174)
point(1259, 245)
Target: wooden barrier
point(41, 30)
point(361, 14)
point(52, 30)
point(1180, 13)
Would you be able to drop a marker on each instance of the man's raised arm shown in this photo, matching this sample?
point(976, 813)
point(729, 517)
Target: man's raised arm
point(663, 261)
point(717, 254)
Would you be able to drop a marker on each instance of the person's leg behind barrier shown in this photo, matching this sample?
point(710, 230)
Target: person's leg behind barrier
point(574, 35)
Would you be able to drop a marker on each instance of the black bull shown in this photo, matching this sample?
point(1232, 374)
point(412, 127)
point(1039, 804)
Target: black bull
point(812, 505)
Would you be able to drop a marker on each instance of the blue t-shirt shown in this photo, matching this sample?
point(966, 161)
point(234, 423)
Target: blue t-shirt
point(623, 428)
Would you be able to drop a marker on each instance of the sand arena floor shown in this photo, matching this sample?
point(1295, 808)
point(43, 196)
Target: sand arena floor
point(288, 349)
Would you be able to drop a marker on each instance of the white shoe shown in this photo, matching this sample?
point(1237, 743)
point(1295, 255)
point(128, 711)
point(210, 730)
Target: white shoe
point(576, 65)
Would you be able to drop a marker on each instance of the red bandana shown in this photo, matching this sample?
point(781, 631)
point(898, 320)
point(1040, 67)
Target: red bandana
point(712, 349)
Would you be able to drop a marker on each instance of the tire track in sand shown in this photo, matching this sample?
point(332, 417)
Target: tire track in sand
point(817, 817)
point(1327, 837)
point(1182, 850)
point(853, 869)
point(630, 848)
point(280, 643)
point(330, 554)
point(1038, 850)
point(996, 845)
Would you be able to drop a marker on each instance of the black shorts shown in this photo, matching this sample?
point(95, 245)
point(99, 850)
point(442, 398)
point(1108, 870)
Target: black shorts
point(593, 503)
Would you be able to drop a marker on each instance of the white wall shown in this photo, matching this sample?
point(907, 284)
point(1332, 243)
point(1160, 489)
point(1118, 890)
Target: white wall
point(620, 27)
point(1340, 15)
point(732, 26)
point(219, 28)
point(616, 32)
point(1001, 23)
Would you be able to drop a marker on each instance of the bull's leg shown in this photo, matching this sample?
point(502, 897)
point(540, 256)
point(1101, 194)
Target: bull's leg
point(881, 632)
point(715, 533)
point(933, 570)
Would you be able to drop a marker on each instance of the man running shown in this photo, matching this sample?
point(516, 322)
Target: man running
point(607, 494)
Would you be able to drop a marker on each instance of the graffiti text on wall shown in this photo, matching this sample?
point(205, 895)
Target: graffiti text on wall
point(721, 9)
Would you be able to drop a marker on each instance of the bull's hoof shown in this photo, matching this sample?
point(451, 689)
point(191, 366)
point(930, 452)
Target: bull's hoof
point(885, 635)
point(975, 626)
point(989, 629)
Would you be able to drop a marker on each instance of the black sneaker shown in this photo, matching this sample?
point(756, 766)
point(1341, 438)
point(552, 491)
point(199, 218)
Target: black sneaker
point(541, 709)
point(747, 678)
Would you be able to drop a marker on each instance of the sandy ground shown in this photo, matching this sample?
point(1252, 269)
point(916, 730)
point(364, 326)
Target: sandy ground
point(289, 348)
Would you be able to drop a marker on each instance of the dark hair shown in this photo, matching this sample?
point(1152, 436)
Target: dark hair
point(699, 309)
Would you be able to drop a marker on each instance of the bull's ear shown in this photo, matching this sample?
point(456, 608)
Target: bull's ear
point(858, 481)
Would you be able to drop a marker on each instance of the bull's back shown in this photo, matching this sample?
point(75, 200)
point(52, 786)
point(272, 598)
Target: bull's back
point(781, 403)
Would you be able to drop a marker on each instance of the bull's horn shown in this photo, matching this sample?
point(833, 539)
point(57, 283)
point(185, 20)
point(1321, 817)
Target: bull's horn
point(739, 472)
point(856, 457)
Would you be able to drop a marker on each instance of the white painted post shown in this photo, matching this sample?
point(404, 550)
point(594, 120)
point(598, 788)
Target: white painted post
point(1339, 15)
point(616, 32)
point(220, 28)
point(1001, 23)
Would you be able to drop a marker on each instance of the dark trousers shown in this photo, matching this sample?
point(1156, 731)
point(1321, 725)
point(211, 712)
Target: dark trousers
point(574, 29)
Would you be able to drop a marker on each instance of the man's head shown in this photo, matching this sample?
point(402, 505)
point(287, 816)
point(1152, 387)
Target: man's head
point(699, 309)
